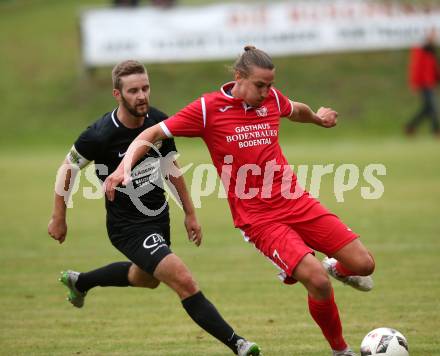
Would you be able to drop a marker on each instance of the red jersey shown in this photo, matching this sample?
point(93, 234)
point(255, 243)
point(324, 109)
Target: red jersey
point(424, 71)
point(243, 144)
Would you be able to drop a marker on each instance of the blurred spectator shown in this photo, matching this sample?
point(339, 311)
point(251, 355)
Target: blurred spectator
point(163, 3)
point(424, 73)
point(126, 2)
point(133, 3)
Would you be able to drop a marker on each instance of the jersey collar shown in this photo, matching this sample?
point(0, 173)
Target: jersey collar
point(226, 88)
point(116, 120)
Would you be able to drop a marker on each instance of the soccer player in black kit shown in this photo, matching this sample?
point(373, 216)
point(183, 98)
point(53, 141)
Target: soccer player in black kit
point(138, 226)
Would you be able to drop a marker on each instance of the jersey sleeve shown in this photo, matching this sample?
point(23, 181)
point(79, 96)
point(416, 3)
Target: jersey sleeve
point(188, 122)
point(76, 159)
point(285, 105)
point(86, 148)
point(168, 145)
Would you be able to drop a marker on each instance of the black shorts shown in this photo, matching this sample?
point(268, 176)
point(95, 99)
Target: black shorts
point(144, 244)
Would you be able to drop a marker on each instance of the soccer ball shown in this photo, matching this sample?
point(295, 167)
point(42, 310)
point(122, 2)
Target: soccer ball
point(384, 342)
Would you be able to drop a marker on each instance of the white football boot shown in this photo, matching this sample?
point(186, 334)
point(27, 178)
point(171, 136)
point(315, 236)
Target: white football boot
point(362, 283)
point(346, 352)
point(247, 348)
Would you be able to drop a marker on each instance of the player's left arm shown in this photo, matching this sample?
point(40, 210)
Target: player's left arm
point(325, 117)
point(136, 150)
point(192, 226)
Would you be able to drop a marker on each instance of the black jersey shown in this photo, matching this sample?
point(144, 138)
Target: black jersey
point(105, 142)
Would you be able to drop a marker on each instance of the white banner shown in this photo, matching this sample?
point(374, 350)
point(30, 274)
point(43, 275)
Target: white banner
point(221, 31)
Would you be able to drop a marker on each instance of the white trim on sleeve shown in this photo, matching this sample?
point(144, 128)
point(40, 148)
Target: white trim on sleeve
point(291, 110)
point(165, 129)
point(245, 238)
point(276, 97)
point(202, 100)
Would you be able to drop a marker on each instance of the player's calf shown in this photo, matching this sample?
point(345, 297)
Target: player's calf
point(139, 278)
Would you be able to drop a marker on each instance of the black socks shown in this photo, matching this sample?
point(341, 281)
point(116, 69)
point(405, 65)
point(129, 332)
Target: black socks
point(200, 309)
point(114, 274)
point(204, 313)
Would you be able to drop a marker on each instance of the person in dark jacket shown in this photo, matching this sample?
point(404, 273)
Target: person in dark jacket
point(424, 75)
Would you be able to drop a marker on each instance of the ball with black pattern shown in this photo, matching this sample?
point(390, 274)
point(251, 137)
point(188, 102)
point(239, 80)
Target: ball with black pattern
point(384, 342)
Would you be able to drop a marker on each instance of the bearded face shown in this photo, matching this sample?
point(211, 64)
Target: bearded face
point(134, 95)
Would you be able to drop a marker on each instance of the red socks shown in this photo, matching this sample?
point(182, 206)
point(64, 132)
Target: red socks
point(326, 315)
point(342, 271)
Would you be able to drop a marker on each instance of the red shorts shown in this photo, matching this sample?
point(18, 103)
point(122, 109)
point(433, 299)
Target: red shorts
point(286, 243)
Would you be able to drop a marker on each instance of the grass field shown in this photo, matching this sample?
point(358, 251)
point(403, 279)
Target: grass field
point(401, 228)
point(46, 102)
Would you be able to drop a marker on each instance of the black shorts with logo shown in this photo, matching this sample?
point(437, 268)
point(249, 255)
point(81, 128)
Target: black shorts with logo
point(143, 244)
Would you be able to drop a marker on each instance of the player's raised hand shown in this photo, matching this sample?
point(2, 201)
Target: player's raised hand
point(193, 229)
point(329, 117)
point(57, 229)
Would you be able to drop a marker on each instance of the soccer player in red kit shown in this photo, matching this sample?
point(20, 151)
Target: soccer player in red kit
point(240, 125)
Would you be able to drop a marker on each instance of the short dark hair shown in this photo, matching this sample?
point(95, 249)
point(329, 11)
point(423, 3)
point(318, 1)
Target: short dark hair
point(252, 57)
point(125, 68)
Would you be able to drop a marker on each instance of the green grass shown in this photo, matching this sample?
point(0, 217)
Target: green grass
point(401, 229)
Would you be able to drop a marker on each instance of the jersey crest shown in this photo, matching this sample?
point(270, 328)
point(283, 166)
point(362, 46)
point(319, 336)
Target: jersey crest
point(261, 112)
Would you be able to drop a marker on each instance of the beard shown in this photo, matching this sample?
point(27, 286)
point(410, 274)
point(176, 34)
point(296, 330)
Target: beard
point(135, 110)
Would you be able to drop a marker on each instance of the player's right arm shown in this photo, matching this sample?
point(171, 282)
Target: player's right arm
point(64, 183)
point(57, 227)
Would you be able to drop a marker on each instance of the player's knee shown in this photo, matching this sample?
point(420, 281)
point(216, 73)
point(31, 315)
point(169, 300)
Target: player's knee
point(319, 285)
point(361, 264)
point(187, 285)
point(367, 266)
point(364, 265)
